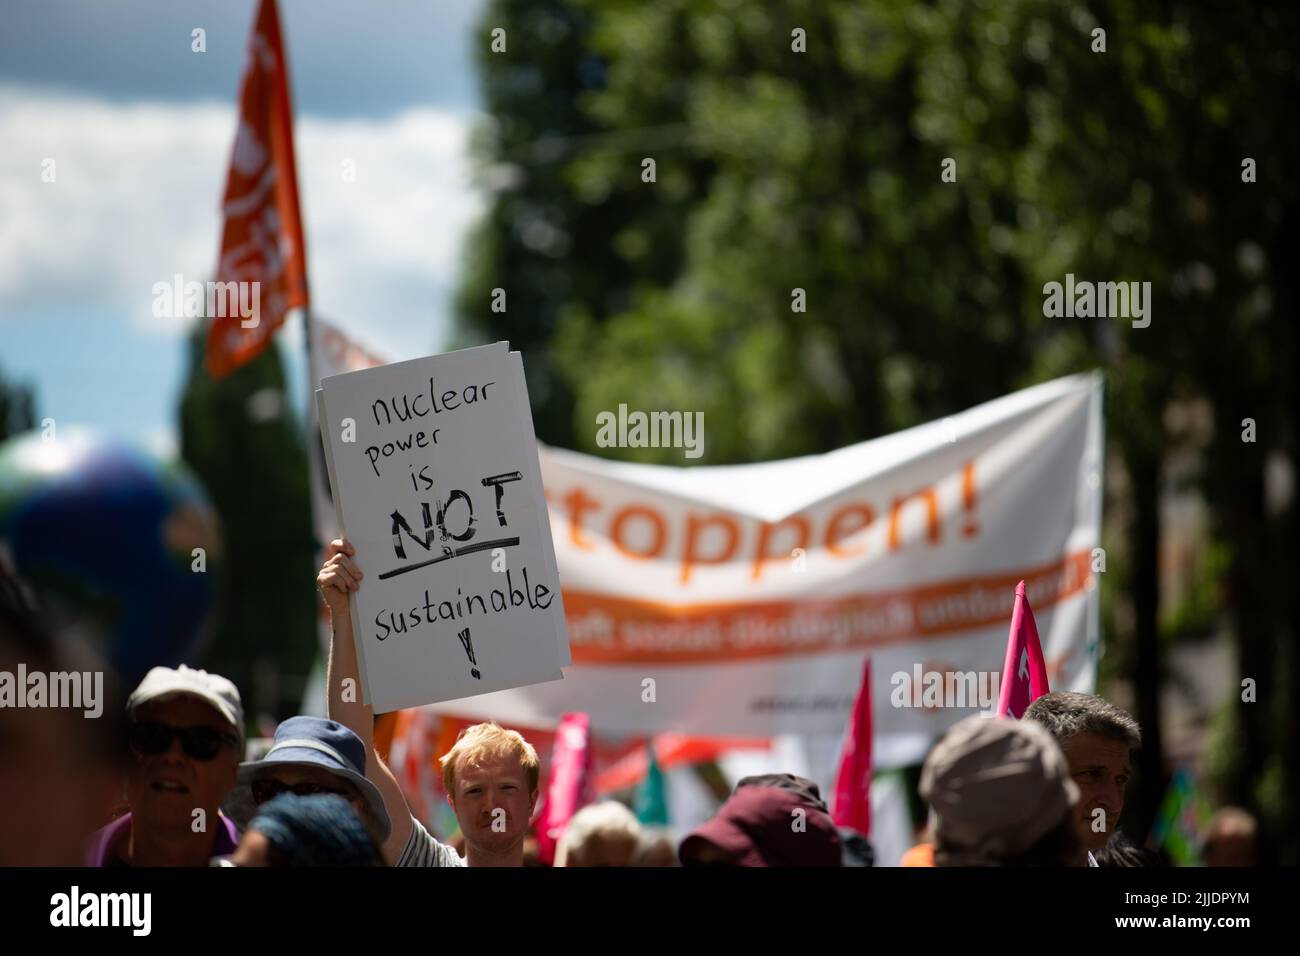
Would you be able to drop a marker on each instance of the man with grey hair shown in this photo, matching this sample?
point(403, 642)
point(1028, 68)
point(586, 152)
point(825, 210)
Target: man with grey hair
point(1098, 740)
point(186, 737)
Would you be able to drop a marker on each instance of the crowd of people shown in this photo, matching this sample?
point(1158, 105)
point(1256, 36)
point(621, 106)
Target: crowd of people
point(1046, 790)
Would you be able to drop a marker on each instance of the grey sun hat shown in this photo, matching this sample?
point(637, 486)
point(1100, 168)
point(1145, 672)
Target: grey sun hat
point(315, 742)
point(997, 785)
point(214, 690)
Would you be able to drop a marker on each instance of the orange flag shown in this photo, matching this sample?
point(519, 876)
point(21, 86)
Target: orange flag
point(261, 242)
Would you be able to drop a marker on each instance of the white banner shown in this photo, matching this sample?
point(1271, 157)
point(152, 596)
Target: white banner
point(742, 599)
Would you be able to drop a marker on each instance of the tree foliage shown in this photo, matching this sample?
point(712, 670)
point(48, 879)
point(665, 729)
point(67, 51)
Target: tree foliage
point(821, 171)
point(239, 437)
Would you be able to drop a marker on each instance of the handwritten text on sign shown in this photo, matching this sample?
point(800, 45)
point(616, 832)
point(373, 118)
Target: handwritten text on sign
point(438, 473)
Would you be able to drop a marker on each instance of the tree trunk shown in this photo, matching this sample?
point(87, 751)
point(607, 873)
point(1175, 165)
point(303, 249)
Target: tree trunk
point(1144, 466)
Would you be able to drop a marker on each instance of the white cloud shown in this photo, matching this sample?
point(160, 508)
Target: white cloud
point(137, 200)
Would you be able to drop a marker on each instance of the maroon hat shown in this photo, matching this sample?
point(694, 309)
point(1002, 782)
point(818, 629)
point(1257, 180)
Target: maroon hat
point(759, 826)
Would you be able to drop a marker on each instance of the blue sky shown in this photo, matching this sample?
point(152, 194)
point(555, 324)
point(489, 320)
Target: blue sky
point(140, 128)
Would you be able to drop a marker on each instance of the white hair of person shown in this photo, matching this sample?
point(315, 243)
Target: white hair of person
point(608, 820)
point(656, 848)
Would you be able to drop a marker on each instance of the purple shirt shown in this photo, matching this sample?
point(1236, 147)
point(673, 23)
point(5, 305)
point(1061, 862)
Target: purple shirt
point(103, 840)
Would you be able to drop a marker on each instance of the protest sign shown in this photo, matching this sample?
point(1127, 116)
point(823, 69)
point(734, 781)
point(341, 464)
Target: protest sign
point(435, 478)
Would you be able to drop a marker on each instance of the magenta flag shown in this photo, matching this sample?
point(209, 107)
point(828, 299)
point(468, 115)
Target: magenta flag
point(851, 806)
point(572, 784)
point(1024, 673)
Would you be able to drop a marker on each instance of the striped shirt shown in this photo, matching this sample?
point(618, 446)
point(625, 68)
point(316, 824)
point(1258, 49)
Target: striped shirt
point(423, 850)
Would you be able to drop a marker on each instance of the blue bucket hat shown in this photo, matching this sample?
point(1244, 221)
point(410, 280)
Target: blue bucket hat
point(316, 742)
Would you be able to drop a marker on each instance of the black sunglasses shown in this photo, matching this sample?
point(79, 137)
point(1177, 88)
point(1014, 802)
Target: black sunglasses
point(268, 789)
point(201, 742)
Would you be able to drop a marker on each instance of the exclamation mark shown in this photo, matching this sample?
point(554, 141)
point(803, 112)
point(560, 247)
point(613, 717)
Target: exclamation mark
point(971, 527)
point(468, 644)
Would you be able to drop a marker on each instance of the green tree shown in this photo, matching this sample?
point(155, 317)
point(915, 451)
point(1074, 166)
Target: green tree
point(822, 171)
point(542, 218)
point(17, 408)
point(239, 436)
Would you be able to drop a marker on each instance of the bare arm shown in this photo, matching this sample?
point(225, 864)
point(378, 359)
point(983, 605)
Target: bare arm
point(339, 576)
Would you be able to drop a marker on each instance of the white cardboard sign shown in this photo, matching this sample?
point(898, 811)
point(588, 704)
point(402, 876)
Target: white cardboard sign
point(435, 474)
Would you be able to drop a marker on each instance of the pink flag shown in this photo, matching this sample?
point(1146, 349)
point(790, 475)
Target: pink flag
point(572, 783)
point(1024, 674)
point(851, 806)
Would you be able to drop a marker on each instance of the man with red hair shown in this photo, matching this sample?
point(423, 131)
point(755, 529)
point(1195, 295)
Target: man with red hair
point(490, 774)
